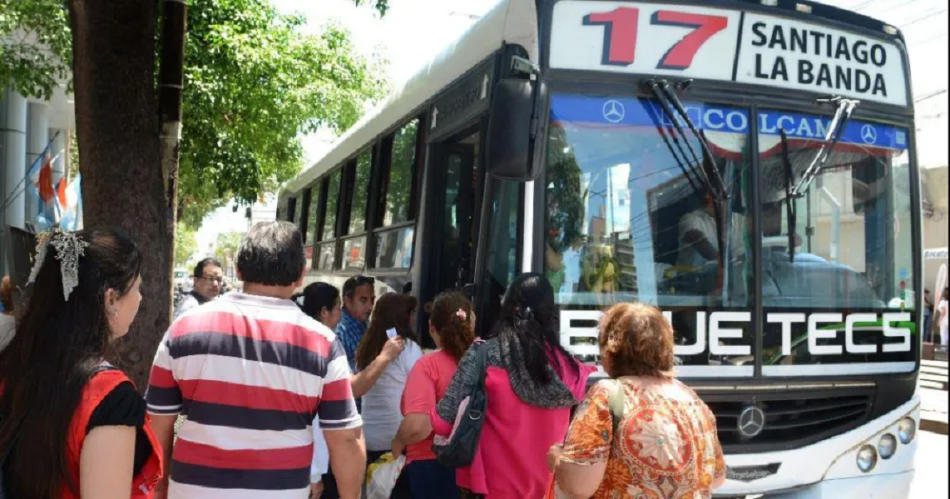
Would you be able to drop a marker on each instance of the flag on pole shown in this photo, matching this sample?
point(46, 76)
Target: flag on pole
point(72, 205)
point(50, 199)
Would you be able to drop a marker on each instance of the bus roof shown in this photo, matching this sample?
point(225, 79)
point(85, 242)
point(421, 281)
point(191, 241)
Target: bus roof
point(510, 21)
point(513, 22)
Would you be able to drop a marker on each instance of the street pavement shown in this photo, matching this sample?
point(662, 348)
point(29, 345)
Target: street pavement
point(934, 396)
point(931, 481)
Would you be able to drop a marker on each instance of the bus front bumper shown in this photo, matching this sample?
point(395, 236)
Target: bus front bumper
point(828, 469)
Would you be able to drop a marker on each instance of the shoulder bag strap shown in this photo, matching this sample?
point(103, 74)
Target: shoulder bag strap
point(616, 403)
point(482, 363)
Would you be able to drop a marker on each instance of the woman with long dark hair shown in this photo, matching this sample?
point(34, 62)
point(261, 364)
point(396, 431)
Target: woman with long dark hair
point(532, 382)
point(75, 427)
point(381, 415)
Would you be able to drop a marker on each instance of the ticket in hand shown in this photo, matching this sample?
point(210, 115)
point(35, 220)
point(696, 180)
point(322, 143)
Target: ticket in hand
point(392, 333)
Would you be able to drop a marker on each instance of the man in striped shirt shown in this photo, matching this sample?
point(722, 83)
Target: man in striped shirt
point(250, 371)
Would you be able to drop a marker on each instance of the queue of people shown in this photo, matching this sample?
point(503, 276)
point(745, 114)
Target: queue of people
point(290, 395)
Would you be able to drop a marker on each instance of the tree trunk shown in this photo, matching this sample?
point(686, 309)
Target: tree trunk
point(118, 131)
point(171, 80)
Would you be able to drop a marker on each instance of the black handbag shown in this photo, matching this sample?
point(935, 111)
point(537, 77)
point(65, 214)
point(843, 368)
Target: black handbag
point(461, 448)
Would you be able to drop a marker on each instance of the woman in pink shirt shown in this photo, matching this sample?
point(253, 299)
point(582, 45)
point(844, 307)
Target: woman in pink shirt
point(532, 383)
point(452, 326)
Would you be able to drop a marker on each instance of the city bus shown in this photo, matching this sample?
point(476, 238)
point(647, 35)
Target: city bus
point(746, 166)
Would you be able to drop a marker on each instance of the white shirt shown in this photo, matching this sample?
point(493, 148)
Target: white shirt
point(942, 309)
point(381, 405)
point(321, 455)
point(7, 330)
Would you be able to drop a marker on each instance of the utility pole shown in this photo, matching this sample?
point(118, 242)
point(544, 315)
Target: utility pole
point(170, 83)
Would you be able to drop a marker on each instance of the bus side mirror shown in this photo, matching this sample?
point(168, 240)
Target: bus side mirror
point(508, 151)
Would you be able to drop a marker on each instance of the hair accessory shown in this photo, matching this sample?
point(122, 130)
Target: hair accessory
point(69, 247)
point(461, 314)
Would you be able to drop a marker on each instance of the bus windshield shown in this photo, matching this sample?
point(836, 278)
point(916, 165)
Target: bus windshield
point(624, 222)
point(852, 226)
point(625, 218)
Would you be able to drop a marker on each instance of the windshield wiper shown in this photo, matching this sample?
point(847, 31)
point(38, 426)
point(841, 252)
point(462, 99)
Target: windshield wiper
point(689, 171)
point(673, 144)
point(835, 131)
point(674, 111)
point(710, 170)
point(790, 209)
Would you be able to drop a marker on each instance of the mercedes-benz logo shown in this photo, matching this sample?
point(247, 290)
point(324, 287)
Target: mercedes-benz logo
point(614, 111)
point(868, 134)
point(751, 422)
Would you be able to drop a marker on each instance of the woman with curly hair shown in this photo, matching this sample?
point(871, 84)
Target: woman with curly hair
point(452, 326)
point(641, 432)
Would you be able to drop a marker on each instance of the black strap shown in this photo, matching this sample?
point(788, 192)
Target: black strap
point(482, 363)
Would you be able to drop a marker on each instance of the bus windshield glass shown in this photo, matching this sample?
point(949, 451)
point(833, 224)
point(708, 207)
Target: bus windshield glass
point(853, 232)
point(626, 218)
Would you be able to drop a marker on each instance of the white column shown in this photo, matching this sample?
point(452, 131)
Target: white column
point(37, 136)
point(13, 156)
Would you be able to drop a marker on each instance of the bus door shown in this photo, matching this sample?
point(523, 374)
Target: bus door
point(456, 179)
point(459, 173)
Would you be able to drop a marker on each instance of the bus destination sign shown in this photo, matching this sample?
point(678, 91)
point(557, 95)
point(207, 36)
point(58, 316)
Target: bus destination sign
point(726, 45)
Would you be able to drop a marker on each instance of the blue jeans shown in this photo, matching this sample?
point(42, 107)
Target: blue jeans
point(431, 480)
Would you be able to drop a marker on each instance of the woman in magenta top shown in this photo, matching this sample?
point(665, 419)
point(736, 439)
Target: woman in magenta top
point(452, 326)
point(532, 383)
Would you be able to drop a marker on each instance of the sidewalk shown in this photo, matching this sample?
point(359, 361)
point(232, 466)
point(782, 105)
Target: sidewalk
point(934, 410)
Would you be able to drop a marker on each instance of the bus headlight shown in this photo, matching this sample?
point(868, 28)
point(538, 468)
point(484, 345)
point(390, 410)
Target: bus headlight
point(887, 447)
point(867, 458)
point(907, 430)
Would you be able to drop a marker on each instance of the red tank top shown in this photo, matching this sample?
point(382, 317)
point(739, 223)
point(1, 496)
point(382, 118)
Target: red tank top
point(100, 385)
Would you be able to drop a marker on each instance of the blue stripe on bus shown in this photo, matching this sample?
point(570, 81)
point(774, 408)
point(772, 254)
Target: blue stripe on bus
point(628, 111)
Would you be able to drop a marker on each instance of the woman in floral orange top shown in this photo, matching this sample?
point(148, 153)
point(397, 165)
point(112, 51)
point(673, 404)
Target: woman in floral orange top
point(666, 445)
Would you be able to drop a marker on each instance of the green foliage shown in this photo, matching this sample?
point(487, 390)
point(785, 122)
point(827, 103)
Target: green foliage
point(35, 45)
point(565, 214)
point(186, 245)
point(400, 175)
point(381, 5)
point(254, 81)
point(227, 246)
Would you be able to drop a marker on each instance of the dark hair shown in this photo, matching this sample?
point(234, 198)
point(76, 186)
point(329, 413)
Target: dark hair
point(317, 297)
point(200, 268)
point(636, 340)
point(55, 352)
point(528, 312)
point(392, 310)
point(272, 254)
point(6, 294)
point(456, 334)
point(353, 283)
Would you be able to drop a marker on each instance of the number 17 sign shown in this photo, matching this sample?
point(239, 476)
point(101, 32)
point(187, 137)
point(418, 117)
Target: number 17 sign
point(685, 41)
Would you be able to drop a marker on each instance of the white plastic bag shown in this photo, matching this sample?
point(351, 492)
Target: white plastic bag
point(382, 475)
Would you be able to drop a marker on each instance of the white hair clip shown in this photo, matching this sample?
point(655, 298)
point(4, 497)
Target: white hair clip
point(69, 247)
point(461, 315)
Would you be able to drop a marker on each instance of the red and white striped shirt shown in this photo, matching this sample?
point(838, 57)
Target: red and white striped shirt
point(250, 373)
